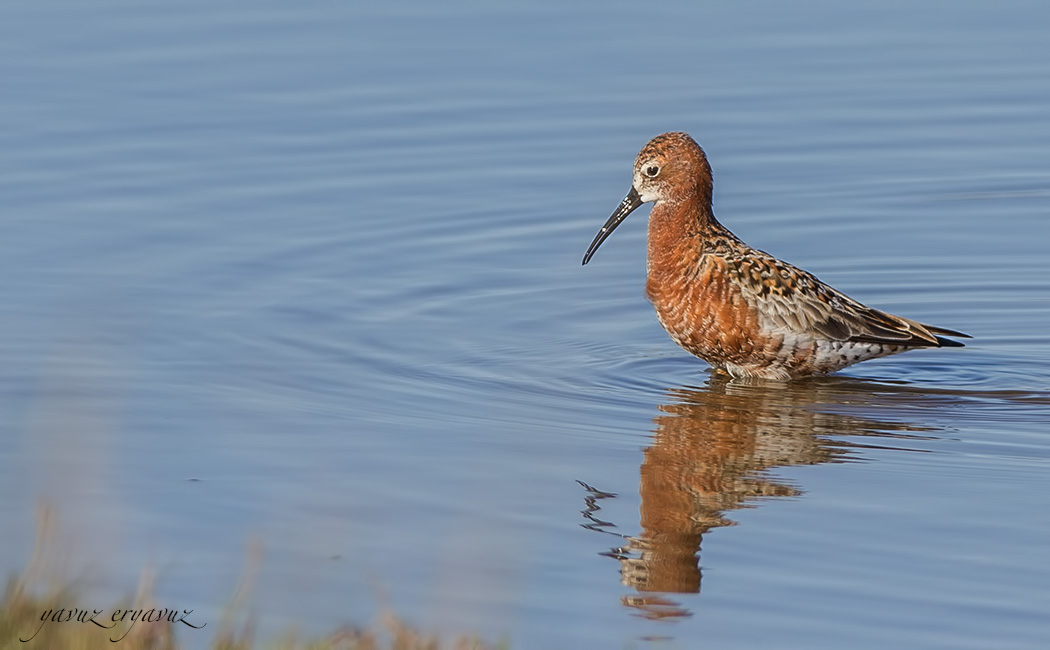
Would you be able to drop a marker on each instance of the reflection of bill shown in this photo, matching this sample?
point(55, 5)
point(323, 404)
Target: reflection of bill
point(711, 453)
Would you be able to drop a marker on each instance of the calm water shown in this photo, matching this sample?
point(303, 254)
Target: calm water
point(308, 279)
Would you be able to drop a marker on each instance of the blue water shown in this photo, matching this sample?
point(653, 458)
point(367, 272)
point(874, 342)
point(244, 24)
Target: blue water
point(307, 279)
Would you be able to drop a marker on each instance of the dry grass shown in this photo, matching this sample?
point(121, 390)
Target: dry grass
point(32, 617)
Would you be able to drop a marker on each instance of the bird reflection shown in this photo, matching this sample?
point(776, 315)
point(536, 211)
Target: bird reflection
point(712, 452)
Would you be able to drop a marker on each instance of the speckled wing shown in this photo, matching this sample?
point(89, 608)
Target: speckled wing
point(793, 300)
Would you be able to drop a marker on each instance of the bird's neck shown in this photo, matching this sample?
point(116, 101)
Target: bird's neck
point(677, 233)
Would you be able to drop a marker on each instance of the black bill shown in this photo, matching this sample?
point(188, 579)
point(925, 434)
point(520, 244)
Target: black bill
point(629, 204)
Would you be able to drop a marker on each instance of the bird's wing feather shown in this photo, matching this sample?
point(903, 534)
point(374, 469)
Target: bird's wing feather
point(793, 300)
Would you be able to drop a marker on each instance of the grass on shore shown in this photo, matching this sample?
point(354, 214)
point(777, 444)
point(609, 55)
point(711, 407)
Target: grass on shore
point(33, 616)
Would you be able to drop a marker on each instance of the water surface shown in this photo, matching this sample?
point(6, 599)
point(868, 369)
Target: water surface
point(310, 279)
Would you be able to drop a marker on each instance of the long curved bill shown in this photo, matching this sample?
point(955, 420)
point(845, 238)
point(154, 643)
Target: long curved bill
point(629, 204)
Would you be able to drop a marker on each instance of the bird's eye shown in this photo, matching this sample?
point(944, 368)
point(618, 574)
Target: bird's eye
point(652, 170)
